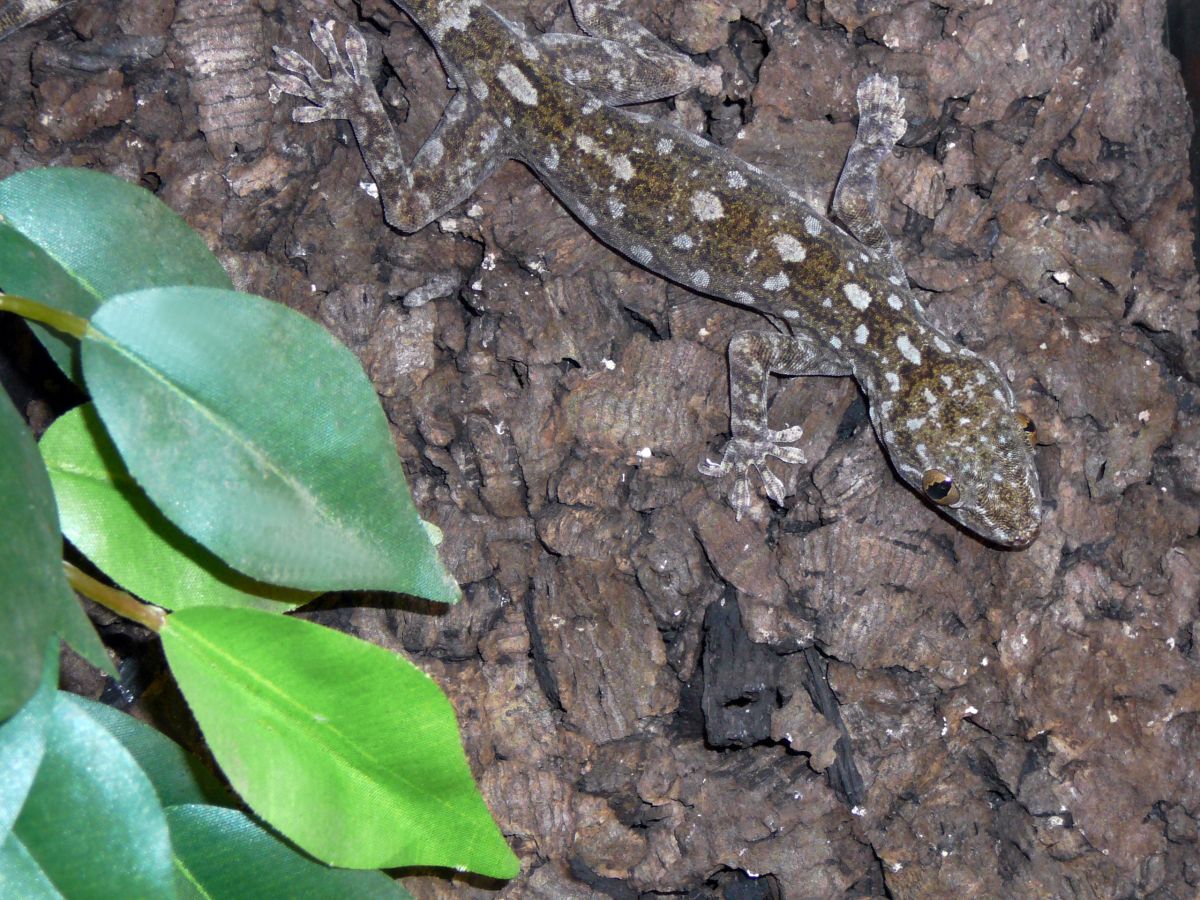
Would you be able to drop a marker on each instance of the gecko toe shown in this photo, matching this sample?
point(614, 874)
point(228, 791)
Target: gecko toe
point(743, 455)
point(739, 498)
point(284, 83)
point(773, 486)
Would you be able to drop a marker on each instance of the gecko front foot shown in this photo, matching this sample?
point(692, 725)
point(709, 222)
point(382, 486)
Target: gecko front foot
point(745, 454)
point(341, 95)
point(881, 112)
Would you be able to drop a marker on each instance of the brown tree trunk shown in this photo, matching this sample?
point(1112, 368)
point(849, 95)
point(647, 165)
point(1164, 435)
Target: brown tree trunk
point(849, 696)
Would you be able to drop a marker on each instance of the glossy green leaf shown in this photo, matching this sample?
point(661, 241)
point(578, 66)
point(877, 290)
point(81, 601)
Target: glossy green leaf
point(313, 727)
point(178, 776)
point(72, 238)
point(91, 825)
point(23, 743)
point(35, 602)
point(258, 434)
point(112, 521)
point(21, 876)
point(221, 852)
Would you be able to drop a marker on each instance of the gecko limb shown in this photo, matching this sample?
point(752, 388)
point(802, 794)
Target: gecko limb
point(618, 73)
point(461, 152)
point(880, 124)
point(657, 70)
point(603, 18)
point(753, 357)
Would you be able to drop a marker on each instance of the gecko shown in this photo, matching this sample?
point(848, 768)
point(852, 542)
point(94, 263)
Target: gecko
point(692, 212)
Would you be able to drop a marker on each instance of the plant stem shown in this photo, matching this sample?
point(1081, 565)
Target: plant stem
point(47, 315)
point(121, 603)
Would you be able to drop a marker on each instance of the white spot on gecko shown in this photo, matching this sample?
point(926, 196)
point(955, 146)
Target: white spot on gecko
point(455, 16)
point(735, 179)
point(616, 207)
point(776, 282)
point(551, 160)
point(835, 342)
point(858, 298)
point(907, 350)
point(641, 254)
point(914, 424)
point(812, 225)
point(700, 278)
point(791, 313)
point(940, 344)
point(621, 166)
point(895, 302)
point(589, 217)
point(893, 381)
point(517, 84)
point(664, 146)
point(707, 206)
point(788, 248)
point(683, 242)
point(746, 297)
point(861, 334)
point(591, 106)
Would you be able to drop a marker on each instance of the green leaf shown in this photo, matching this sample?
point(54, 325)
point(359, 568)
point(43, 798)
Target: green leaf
point(23, 743)
point(72, 238)
point(178, 776)
point(21, 876)
point(258, 435)
point(35, 601)
point(222, 853)
point(219, 849)
point(112, 521)
point(314, 727)
point(91, 825)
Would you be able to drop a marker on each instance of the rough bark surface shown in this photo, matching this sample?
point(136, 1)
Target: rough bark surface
point(849, 696)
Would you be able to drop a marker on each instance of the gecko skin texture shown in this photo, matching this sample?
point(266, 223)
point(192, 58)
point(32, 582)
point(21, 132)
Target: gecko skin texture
point(692, 212)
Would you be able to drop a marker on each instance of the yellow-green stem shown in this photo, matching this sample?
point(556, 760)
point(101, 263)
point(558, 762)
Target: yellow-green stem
point(121, 603)
point(47, 315)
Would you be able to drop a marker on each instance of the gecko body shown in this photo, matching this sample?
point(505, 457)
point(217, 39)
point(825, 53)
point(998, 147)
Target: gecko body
point(692, 212)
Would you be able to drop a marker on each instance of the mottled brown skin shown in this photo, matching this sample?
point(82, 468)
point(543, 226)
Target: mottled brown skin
point(694, 213)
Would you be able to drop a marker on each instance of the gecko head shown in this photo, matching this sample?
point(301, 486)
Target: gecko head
point(958, 439)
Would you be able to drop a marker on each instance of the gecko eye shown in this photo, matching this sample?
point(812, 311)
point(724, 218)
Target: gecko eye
point(1027, 428)
point(940, 488)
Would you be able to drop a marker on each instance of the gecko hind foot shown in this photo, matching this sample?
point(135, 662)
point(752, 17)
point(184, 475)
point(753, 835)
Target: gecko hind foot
point(745, 454)
point(336, 97)
point(881, 111)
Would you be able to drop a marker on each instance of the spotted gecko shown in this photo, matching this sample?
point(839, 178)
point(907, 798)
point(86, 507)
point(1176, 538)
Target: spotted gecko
point(692, 212)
